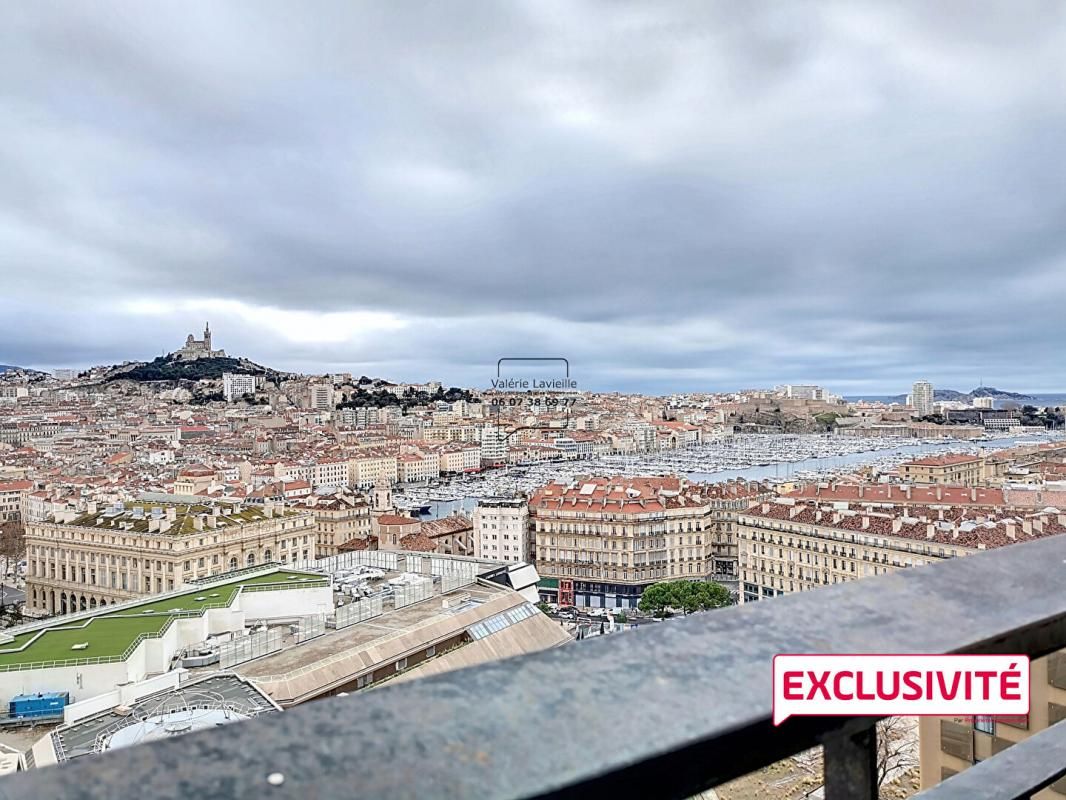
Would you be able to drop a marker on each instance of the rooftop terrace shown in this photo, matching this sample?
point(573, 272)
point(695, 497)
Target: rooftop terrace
point(111, 634)
point(137, 517)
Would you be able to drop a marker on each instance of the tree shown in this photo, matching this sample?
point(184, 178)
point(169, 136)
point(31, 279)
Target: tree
point(897, 749)
point(827, 420)
point(689, 596)
point(703, 595)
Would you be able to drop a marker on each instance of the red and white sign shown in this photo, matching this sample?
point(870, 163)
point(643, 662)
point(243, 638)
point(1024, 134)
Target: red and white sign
point(899, 685)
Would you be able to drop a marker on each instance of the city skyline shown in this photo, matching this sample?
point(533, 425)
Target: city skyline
point(853, 195)
point(528, 366)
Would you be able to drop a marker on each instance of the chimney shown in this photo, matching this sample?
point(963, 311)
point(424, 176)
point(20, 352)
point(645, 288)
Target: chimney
point(212, 520)
point(1027, 527)
point(90, 507)
point(930, 531)
point(198, 522)
point(865, 522)
point(973, 494)
point(172, 514)
point(939, 492)
point(907, 491)
point(153, 525)
point(1011, 530)
point(897, 525)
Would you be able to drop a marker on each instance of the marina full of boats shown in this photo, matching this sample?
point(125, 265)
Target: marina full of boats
point(772, 458)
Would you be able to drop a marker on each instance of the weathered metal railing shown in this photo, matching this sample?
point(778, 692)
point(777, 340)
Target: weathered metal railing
point(662, 712)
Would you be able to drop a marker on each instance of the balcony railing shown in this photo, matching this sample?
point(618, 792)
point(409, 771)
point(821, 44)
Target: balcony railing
point(665, 711)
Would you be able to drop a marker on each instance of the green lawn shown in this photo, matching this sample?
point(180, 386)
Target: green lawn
point(111, 633)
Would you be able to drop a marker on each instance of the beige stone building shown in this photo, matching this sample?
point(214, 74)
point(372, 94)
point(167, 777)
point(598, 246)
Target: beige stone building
point(790, 545)
point(339, 518)
point(797, 545)
point(372, 467)
point(944, 470)
point(606, 539)
point(194, 480)
point(13, 496)
point(82, 560)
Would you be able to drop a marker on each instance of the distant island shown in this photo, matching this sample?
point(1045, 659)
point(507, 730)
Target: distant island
point(8, 368)
point(967, 397)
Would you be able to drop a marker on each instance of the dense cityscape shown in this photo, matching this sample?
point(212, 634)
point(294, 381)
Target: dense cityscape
point(532, 400)
point(539, 518)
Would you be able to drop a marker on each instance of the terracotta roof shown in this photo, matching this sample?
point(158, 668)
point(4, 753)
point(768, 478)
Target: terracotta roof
point(396, 519)
point(417, 542)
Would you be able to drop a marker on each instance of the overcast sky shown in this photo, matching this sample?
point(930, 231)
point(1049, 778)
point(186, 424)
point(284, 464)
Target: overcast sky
point(676, 196)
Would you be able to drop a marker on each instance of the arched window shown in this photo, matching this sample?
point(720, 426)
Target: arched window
point(84, 605)
point(233, 563)
point(266, 555)
point(92, 602)
point(251, 559)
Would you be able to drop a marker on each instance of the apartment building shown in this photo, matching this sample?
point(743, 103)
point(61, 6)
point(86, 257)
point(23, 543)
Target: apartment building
point(792, 544)
point(950, 745)
point(606, 539)
point(325, 472)
point(371, 467)
point(194, 480)
point(107, 554)
point(320, 396)
point(235, 386)
point(420, 466)
point(501, 529)
point(339, 518)
point(494, 446)
point(13, 496)
point(922, 398)
point(451, 433)
point(459, 457)
point(945, 470)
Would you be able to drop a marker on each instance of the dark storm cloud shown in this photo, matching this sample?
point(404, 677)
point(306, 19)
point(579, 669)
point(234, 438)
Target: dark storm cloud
point(675, 195)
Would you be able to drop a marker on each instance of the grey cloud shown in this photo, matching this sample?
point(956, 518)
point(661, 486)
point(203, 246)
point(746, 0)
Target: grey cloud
point(840, 192)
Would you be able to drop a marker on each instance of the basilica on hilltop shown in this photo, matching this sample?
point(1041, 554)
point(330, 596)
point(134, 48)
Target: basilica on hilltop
point(198, 348)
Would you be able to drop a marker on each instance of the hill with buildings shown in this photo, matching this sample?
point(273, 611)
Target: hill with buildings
point(195, 361)
point(173, 368)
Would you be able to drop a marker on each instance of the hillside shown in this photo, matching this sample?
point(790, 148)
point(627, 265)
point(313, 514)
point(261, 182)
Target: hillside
point(168, 368)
